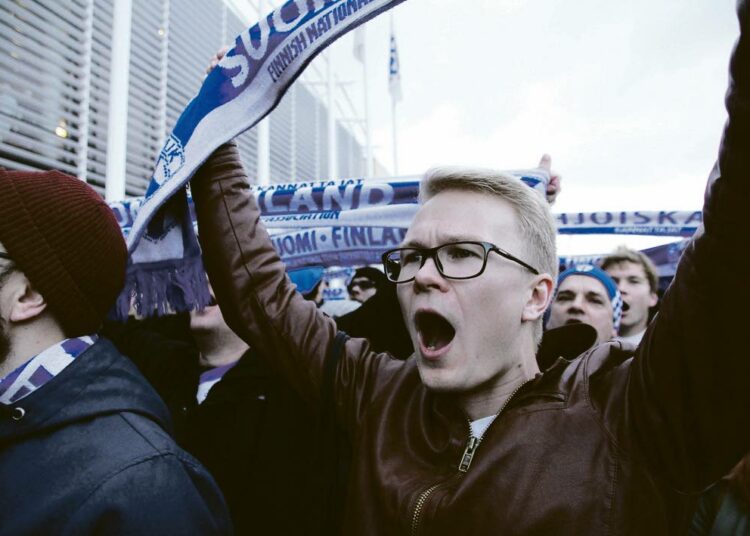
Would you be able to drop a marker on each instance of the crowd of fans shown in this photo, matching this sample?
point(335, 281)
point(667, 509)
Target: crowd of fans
point(472, 391)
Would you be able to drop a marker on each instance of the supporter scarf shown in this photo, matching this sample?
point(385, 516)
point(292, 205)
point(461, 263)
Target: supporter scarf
point(41, 368)
point(165, 270)
point(352, 222)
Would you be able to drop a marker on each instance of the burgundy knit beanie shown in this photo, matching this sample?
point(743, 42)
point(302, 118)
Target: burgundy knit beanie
point(66, 240)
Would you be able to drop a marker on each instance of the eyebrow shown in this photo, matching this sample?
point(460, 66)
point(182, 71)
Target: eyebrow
point(443, 240)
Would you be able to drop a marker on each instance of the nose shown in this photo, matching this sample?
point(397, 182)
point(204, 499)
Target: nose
point(428, 276)
point(576, 306)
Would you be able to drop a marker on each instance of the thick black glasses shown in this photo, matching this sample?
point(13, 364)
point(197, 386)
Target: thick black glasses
point(6, 269)
point(457, 260)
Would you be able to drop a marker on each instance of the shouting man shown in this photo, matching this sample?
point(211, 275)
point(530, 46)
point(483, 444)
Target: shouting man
point(467, 436)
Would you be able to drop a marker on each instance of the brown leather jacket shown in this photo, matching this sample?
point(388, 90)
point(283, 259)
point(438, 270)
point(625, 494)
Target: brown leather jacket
point(594, 446)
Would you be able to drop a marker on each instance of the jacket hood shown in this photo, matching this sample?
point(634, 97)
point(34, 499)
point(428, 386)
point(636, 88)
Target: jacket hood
point(100, 381)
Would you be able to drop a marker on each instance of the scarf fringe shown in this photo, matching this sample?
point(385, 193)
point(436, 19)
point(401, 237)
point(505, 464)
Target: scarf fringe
point(156, 289)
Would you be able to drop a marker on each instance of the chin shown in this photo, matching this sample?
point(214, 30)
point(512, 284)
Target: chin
point(438, 380)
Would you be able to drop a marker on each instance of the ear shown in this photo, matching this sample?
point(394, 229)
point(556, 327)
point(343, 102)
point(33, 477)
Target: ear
point(28, 303)
point(539, 299)
point(653, 299)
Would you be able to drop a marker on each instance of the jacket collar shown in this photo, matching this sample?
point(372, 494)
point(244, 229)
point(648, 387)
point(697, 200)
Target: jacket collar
point(100, 381)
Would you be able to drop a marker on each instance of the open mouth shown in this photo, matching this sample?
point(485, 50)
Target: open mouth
point(435, 332)
point(625, 306)
point(573, 321)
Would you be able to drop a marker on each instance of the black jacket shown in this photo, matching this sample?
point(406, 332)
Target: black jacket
point(88, 453)
point(273, 458)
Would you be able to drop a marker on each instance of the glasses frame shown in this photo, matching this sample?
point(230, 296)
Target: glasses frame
point(8, 268)
point(431, 253)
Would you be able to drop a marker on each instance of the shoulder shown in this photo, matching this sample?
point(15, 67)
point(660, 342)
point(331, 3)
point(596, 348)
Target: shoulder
point(162, 489)
point(589, 366)
point(607, 357)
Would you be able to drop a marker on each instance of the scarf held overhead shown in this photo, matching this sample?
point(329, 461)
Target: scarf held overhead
point(165, 270)
point(350, 222)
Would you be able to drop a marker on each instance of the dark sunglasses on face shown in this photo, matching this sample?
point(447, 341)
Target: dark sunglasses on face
point(362, 284)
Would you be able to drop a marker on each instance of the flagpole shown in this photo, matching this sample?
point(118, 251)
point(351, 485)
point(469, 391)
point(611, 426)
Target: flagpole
point(393, 115)
point(395, 137)
point(369, 167)
point(331, 120)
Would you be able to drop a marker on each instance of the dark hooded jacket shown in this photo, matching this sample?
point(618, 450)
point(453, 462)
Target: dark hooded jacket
point(89, 453)
point(272, 456)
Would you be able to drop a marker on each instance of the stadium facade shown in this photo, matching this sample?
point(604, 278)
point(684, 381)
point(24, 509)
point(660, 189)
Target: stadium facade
point(55, 68)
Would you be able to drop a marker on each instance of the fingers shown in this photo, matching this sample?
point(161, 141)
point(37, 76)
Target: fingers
point(546, 162)
point(216, 58)
point(553, 186)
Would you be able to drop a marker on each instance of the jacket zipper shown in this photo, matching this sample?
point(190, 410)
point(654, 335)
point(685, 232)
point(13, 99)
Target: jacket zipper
point(418, 509)
point(466, 459)
point(473, 443)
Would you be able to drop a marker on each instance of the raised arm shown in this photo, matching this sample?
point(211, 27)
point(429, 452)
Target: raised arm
point(686, 395)
point(261, 304)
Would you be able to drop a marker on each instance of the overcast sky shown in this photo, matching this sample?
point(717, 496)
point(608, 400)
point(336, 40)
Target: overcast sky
point(627, 97)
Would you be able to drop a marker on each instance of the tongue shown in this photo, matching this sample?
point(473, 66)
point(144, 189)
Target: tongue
point(436, 331)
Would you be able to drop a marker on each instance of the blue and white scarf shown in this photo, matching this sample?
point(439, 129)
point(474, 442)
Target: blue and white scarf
point(41, 368)
point(351, 222)
point(165, 270)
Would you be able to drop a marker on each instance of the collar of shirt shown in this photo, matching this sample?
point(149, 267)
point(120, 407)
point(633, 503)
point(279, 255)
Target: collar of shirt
point(41, 368)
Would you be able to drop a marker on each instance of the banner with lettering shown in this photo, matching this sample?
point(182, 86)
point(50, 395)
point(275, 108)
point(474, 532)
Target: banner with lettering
point(352, 222)
point(165, 270)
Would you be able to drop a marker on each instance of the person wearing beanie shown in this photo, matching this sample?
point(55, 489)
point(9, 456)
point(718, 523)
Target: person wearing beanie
point(587, 295)
point(84, 438)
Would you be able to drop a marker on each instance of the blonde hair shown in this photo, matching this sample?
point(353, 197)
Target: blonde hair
point(538, 229)
point(625, 254)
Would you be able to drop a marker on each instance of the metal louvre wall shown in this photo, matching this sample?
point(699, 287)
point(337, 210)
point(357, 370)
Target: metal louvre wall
point(55, 60)
point(322, 140)
point(41, 46)
point(98, 108)
point(282, 139)
point(305, 135)
point(350, 154)
point(146, 117)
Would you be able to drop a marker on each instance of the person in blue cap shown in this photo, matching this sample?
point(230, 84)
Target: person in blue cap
point(587, 295)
